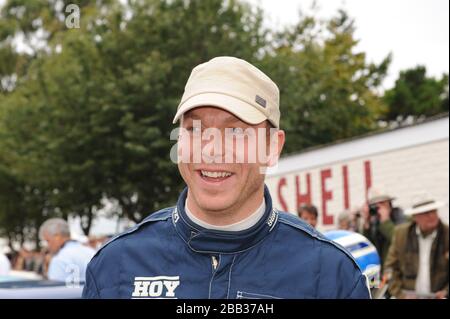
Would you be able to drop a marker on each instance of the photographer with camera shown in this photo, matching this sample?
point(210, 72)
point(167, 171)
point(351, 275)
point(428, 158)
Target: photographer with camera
point(380, 219)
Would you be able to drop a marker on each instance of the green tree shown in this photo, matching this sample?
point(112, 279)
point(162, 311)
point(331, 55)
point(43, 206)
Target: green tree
point(416, 95)
point(87, 115)
point(328, 90)
point(22, 209)
point(37, 23)
point(91, 117)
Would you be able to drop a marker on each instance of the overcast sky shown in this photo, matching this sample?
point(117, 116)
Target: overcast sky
point(415, 31)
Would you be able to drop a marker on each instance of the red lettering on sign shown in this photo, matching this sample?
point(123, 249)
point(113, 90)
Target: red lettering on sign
point(326, 196)
point(281, 200)
point(303, 198)
point(368, 176)
point(346, 193)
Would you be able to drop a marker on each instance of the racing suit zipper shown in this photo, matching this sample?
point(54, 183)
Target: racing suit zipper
point(214, 262)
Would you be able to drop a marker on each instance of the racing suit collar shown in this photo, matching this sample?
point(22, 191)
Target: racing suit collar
point(204, 240)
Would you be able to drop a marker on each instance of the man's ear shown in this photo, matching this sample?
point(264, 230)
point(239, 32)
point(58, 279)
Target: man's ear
point(181, 120)
point(276, 144)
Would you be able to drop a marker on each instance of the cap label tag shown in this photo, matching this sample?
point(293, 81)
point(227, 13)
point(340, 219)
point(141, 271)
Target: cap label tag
point(260, 101)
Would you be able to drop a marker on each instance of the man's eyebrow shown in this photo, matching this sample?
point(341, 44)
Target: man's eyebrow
point(228, 119)
point(190, 115)
point(232, 119)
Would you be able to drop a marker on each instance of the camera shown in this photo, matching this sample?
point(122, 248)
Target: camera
point(373, 210)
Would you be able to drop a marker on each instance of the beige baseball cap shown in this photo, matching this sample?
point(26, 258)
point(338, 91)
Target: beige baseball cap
point(234, 85)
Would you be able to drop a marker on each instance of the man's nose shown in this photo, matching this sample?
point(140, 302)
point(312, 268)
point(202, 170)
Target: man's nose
point(213, 149)
point(212, 154)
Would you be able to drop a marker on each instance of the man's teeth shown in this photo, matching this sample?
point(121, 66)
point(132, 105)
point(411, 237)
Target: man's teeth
point(215, 174)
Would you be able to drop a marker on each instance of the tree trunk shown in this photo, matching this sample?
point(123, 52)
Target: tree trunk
point(86, 227)
point(128, 211)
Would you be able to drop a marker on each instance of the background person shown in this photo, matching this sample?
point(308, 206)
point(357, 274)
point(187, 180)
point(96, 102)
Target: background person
point(5, 265)
point(309, 213)
point(347, 221)
point(70, 258)
point(380, 218)
point(418, 257)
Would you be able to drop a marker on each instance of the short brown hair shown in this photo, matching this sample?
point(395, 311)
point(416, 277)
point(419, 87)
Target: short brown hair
point(309, 209)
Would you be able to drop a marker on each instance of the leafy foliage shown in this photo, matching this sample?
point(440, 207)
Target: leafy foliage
point(416, 95)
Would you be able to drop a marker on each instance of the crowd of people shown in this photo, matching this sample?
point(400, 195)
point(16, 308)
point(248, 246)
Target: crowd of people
point(59, 256)
point(412, 244)
point(27, 259)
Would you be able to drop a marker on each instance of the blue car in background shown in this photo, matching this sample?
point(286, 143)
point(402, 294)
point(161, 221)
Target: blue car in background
point(366, 256)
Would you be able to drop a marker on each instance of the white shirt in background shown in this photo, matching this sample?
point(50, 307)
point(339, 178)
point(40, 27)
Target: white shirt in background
point(70, 263)
point(5, 265)
point(423, 285)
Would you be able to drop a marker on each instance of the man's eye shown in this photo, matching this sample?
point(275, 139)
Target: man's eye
point(193, 129)
point(237, 130)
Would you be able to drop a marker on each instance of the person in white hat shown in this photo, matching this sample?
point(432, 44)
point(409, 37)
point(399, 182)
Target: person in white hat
point(417, 260)
point(224, 239)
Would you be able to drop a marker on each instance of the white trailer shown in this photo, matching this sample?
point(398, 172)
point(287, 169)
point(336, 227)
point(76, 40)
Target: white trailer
point(403, 161)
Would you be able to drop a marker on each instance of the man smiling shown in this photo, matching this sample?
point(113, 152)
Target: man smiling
point(224, 239)
point(222, 192)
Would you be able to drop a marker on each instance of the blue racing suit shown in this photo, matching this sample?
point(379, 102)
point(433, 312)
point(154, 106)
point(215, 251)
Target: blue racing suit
point(168, 256)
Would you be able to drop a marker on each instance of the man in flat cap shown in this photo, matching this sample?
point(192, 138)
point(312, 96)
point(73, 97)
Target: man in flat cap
point(224, 239)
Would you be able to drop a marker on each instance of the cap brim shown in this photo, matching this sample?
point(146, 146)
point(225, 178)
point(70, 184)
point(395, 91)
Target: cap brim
point(424, 209)
point(244, 111)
